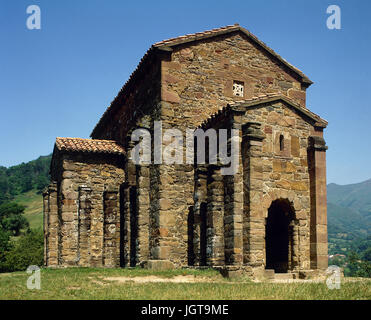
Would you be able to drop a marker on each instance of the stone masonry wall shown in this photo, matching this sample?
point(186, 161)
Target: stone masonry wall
point(88, 211)
point(197, 81)
point(272, 173)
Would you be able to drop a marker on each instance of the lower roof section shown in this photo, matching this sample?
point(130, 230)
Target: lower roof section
point(89, 146)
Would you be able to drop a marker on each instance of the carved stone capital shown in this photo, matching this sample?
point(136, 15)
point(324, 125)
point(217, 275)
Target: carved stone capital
point(317, 143)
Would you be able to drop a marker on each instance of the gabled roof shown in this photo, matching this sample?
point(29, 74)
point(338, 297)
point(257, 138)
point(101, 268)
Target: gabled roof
point(169, 43)
point(89, 146)
point(225, 30)
point(262, 99)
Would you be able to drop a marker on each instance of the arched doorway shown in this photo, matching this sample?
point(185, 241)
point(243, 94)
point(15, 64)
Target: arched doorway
point(278, 236)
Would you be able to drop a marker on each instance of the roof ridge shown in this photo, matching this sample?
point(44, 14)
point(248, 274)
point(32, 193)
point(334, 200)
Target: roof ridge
point(235, 26)
point(89, 139)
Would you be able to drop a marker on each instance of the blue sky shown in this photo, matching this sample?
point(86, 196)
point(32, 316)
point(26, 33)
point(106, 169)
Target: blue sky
point(58, 81)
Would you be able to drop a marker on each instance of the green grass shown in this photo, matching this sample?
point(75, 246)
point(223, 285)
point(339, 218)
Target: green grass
point(90, 283)
point(34, 208)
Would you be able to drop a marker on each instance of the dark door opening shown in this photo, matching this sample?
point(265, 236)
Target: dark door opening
point(277, 236)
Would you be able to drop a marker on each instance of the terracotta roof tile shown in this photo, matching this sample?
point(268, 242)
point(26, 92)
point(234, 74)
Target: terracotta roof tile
point(89, 145)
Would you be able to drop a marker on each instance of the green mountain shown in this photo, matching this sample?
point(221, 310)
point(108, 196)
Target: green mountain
point(349, 216)
point(353, 196)
point(16, 180)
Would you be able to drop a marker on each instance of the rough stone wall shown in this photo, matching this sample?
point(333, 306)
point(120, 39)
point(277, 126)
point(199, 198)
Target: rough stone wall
point(84, 223)
point(271, 169)
point(272, 173)
point(197, 81)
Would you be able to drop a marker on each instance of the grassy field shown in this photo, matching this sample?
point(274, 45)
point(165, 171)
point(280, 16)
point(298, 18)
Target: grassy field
point(89, 283)
point(34, 208)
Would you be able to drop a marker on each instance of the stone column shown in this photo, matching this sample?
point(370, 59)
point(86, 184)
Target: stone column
point(84, 225)
point(165, 222)
point(46, 224)
point(254, 218)
point(233, 216)
point(130, 207)
point(53, 226)
point(111, 227)
point(143, 184)
point(125, 225)
point(215, 215)
point(294, 245)
point(318, 219)
point(69, 223)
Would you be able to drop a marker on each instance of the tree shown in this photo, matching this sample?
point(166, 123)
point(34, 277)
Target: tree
point(364, 269)
point(367, 255)
point(11, 218)
point(352, 267)
point(357, 267)
point(41, 183)
point(5, 245)
point(27, 250)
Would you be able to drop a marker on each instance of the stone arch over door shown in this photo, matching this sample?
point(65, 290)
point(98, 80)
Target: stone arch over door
point(279, 236)
point(300, 226)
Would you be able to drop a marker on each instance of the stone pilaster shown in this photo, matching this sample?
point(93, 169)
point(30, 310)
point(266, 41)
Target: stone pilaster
point(46, 225)
point(84, 225)
point(233, 186)
point(130, 212)
point(69, 223)
point(318, 217)
point(143, 184)
point(111, 233)
point(215, 216)
point(53, 227)
point(254, 221)
point(125, 225)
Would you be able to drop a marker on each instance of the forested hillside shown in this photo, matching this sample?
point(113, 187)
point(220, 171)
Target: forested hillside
point(356, 197)
point(33, 175)
point(349, 226)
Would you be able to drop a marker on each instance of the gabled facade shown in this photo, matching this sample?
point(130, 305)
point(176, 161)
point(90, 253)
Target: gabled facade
point(103, 210)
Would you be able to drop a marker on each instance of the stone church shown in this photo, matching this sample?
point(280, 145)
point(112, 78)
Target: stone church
point(103, 210)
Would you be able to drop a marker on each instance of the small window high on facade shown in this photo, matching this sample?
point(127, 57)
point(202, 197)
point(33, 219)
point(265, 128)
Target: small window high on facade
point(238, 88)
point(282, 143)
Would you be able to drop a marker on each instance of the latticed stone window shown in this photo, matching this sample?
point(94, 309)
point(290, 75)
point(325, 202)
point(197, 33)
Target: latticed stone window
point(238, 88)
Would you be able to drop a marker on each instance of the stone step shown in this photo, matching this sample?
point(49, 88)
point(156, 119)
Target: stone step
point(284, 276)
point(269, 274)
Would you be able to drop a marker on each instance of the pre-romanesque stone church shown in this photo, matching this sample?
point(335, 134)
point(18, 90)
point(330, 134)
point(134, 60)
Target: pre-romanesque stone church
point(103, 210)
